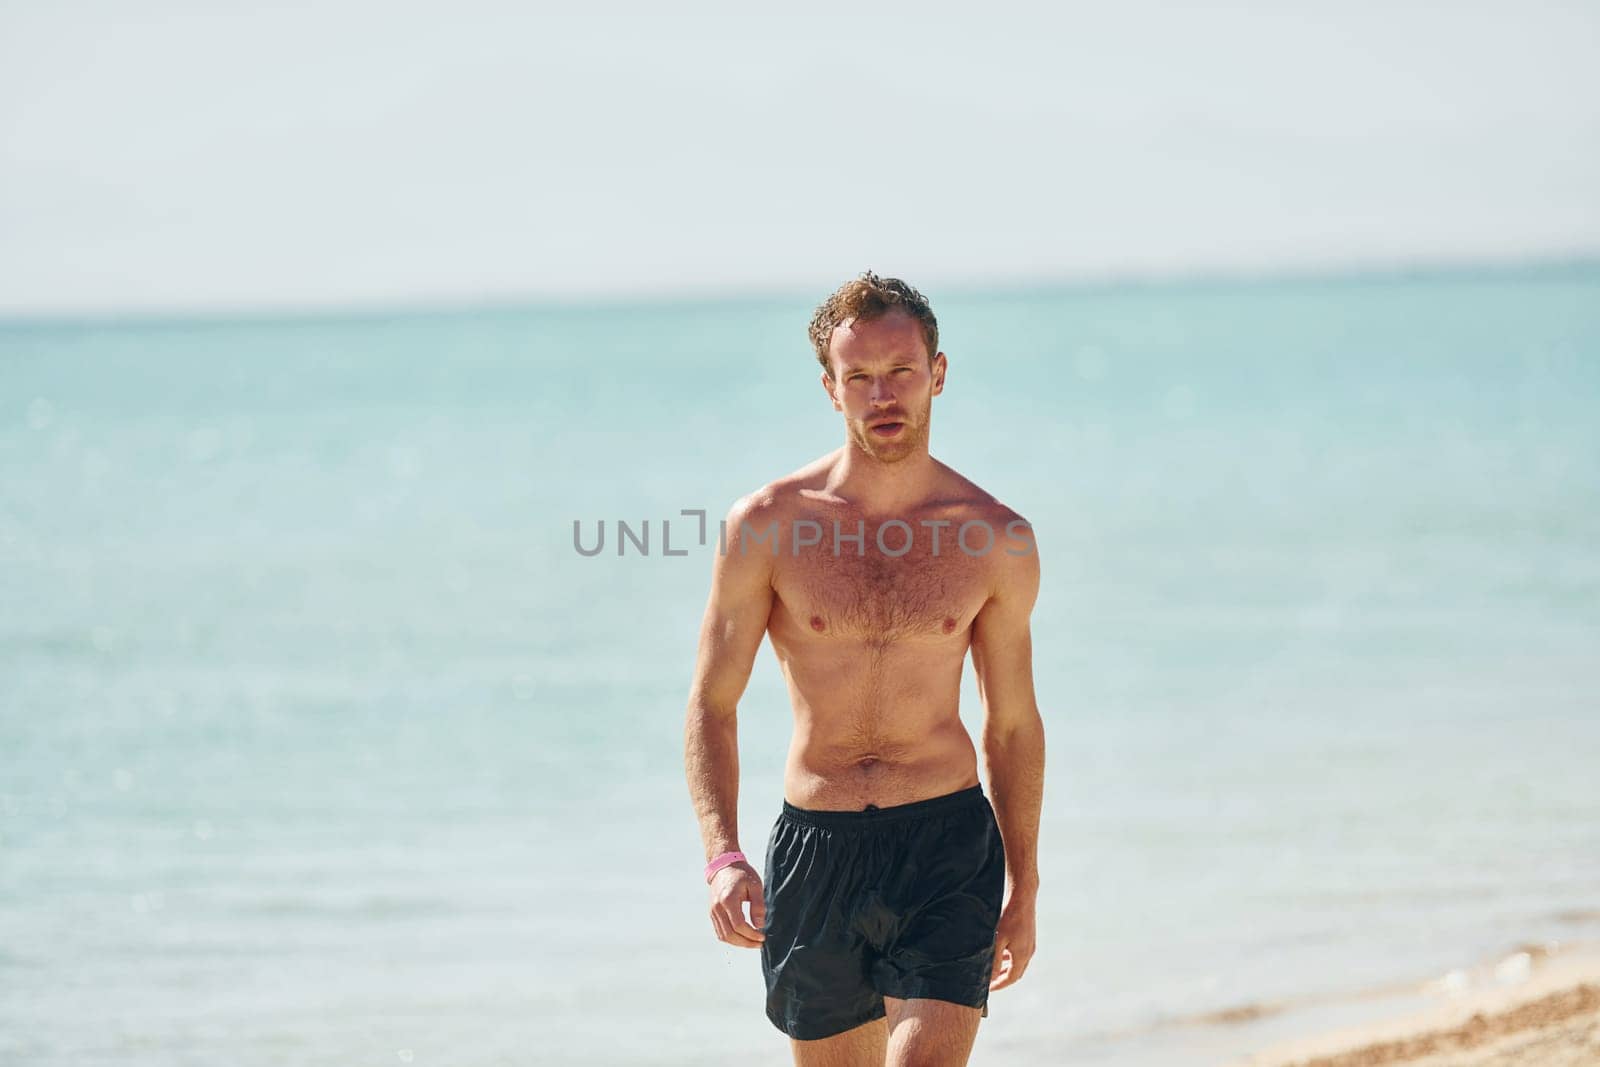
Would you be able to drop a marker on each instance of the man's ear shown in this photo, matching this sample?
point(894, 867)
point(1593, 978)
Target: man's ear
point(828, 384)
point(940, 367)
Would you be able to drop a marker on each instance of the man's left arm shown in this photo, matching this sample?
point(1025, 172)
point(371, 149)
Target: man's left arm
point(1013, 742)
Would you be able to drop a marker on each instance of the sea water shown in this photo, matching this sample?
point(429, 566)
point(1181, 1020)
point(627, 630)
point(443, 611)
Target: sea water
point(321, 744)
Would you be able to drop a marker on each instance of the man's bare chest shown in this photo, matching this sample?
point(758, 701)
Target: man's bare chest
point(876, 596)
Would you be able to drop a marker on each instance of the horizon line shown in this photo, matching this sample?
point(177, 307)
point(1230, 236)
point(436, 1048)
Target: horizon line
point(1353, 271)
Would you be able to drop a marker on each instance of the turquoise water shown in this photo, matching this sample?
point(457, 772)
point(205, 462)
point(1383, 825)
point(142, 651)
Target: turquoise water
point(319, 743)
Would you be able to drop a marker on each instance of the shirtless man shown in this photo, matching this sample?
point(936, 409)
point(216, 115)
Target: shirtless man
point(881, 924)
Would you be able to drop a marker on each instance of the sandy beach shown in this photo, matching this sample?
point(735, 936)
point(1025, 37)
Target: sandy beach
point(1535, 1008)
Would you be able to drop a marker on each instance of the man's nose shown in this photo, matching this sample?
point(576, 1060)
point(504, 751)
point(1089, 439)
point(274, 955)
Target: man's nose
point(882, 395)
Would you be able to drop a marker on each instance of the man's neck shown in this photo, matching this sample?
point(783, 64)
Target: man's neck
point(880, 488)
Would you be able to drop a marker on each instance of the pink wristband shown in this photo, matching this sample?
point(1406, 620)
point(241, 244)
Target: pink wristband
point(722, 861)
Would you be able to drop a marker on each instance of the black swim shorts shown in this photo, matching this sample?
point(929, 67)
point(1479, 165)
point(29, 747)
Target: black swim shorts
point(900, 901)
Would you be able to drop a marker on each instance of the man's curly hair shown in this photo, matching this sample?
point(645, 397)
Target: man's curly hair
point(864, 299)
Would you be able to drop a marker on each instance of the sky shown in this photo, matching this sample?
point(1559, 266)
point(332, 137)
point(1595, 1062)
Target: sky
point(215, 156)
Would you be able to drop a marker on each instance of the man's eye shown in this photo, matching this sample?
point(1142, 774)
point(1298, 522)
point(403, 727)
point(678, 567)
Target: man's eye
point(856, 378)
point(898, 370)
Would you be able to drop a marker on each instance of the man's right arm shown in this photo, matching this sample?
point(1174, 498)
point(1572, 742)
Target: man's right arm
point(730, 636)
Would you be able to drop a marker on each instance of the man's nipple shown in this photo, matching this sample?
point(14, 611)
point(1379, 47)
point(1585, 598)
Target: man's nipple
point(817, 624)
point(949, 626)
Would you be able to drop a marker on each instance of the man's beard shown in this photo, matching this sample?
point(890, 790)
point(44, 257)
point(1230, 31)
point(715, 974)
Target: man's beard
point(913, 435)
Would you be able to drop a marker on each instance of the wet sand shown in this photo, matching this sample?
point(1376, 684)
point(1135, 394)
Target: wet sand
point(1531, 1009)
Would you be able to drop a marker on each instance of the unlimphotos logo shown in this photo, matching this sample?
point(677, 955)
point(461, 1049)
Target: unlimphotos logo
point(891, 537)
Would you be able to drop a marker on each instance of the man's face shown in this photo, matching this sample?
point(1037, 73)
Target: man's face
point(883, 383)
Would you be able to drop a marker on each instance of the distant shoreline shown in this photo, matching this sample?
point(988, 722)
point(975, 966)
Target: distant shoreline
point(1549, 266)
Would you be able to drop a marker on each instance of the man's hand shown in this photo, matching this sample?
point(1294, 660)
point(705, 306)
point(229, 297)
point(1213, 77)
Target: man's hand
point(731, 887)
point(1013, 941)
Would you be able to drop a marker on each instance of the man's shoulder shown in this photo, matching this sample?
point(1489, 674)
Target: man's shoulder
point(965, 496)
point(779, 498)
point(971, 507)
